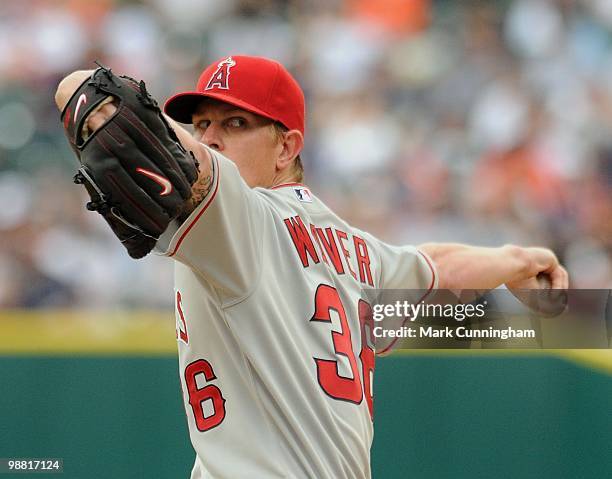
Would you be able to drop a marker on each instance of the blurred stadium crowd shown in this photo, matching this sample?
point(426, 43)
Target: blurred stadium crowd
point(475, 121)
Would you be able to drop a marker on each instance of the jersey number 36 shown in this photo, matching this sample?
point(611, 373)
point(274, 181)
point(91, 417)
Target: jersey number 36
point(351, 388)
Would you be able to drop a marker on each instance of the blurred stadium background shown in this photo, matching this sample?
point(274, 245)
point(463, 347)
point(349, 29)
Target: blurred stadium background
point(475, 121)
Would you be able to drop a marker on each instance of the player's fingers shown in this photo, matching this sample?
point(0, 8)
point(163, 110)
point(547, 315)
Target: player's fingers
point(68, 86)
point(549, 260)
point(559, 278)
point(565, 278)
point(101, 114)
point(95, 121)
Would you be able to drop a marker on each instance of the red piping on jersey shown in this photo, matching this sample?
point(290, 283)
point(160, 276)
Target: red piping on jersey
point(282, 185)
point(433, 281)
point(195, 220)
point(433, 273)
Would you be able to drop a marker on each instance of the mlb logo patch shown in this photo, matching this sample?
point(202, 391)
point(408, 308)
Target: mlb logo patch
point(303, 194)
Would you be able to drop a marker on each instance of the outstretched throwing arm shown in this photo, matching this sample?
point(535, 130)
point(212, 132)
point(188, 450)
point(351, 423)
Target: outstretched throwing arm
point(470, 267)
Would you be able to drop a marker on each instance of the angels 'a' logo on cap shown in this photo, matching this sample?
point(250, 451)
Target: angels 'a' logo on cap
point(220, 79)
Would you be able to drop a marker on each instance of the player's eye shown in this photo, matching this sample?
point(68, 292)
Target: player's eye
point(235, 122)
point(202, 124)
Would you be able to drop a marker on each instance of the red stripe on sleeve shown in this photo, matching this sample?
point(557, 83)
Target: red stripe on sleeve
point(195, 220)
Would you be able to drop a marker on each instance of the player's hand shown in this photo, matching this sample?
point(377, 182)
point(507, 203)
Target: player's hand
point(542, 271)
point(66, 89)
point(69, 85)
point(543, 284)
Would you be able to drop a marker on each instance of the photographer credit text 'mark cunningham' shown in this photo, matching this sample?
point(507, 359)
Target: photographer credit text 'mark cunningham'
point(501, 318)
point(457, 312)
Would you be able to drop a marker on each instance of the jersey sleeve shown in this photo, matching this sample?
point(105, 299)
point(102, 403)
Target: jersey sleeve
point(403, 267)
point(222, 238)
point(406, 267)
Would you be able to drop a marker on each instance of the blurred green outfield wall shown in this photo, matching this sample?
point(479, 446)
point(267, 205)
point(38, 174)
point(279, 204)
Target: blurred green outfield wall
point(452, 416)
point(101, 391)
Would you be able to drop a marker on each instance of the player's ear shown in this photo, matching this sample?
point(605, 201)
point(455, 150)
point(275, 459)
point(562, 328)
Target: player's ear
point(291, 144)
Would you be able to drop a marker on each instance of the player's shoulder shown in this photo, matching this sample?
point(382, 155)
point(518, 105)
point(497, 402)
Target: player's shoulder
point(293, 197)
point(290, 200)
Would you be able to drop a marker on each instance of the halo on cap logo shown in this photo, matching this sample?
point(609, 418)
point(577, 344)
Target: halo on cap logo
point(220, 79)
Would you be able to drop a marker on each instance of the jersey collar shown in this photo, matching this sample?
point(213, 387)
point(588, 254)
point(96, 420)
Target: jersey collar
point(283, 185)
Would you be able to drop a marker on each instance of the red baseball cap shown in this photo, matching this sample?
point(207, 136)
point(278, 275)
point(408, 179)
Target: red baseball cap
point(259, 85)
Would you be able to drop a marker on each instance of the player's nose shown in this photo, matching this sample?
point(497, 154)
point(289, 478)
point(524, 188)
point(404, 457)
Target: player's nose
point(212, 136)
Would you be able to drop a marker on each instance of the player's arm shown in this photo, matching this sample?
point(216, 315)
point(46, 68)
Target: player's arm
point(200, 189)
point(461, 266)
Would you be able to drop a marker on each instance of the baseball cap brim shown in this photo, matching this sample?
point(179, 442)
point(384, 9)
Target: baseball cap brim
point(182, 106)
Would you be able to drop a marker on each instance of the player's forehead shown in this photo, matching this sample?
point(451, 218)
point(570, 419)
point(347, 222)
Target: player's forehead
point(210, 106)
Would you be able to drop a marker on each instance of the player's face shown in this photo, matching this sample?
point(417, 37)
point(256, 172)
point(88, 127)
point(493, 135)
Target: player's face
point(247, 139)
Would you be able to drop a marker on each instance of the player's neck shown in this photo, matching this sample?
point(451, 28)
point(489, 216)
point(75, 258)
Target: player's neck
point(284, 177)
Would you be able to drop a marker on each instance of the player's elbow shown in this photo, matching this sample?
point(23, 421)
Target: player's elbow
point(438, 255)
point(446, 279)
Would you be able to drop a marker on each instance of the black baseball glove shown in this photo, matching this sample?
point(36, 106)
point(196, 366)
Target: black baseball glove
point(134, 168)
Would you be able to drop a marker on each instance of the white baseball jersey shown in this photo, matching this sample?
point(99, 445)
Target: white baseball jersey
point(275, 356)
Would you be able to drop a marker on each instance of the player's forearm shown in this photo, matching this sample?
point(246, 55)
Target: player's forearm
point(191, 144)
point(469, 267)
point(204, 182)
